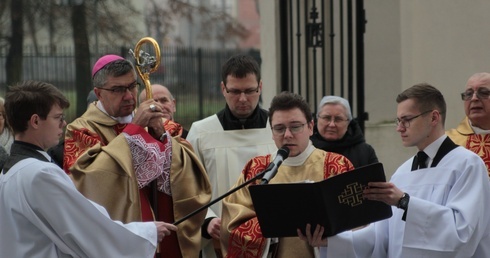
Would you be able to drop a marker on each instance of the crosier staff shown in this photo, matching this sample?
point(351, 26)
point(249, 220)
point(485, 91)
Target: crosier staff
point(145, 65)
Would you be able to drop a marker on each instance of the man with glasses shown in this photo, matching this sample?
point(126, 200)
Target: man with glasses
point(57, 152)
point(473, 132)
point(225, 141)
point(337, 132)
point(440, 197)
point(41, 212)
point(292, 124)
point(136, 174)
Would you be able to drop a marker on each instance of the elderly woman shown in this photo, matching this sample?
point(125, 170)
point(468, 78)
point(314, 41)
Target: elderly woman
point(6, 135)
point(337, 132)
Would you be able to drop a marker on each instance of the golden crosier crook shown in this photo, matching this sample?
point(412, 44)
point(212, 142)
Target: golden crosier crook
point(146, 64)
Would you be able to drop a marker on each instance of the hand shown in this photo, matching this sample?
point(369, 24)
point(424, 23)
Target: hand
point(145, 117)
point(214, 228)
point(384, 192)
point(316, 239)
point(164, 229)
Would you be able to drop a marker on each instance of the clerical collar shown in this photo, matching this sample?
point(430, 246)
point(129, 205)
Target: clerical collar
point(478, 130)
point(301, 158)
point(122, 119)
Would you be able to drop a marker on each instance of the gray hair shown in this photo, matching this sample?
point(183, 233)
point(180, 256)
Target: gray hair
point(114, 69)
point(335, 100)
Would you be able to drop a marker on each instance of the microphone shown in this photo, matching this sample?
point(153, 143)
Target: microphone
point(271, 170)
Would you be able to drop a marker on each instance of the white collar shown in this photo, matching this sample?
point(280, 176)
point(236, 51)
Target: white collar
point(122, 120)
point(431, 149)
point(45, 154)
point(301, 158)
point(478, 130)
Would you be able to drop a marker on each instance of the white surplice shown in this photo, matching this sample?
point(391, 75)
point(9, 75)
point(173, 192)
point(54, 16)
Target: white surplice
point(42, 214)
point(448, 214)
point(224, 154)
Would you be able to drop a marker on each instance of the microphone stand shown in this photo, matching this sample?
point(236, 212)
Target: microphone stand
point(259, 175)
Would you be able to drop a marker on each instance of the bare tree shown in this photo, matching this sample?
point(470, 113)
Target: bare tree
point(82, 55)
point(5, 22)
point(161, 20)
point(13, 64)
point(113, 20)
point(116, 20)
point(54, 18)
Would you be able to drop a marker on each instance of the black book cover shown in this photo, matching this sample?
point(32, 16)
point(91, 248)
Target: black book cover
point(336, 203)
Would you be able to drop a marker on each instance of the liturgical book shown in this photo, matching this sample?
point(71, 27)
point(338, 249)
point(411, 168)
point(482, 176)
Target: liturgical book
point(335, 203)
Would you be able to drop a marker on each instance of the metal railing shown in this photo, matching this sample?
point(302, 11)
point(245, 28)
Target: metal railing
point(322, 50)
point(193, 75)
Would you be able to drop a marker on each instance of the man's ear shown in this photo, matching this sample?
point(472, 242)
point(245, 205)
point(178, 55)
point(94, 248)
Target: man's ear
point(97, 92)
point(223, 89)
point(34, 120)
point(436, 116)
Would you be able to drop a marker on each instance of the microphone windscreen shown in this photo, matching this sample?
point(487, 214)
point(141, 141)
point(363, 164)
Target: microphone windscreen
point(284, 152)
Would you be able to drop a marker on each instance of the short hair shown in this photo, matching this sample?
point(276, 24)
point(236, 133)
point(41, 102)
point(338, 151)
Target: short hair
point(239, 66)
point(27, 98)
point(335, 100)
point(286, 101)
point(114, 69)
point(426, 97)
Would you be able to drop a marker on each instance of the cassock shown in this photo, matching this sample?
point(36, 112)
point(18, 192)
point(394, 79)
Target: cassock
point(478, 143)
point(42, 215)
point(224, 153)
point(113, 164)
point(240, 231)
point(448, 214)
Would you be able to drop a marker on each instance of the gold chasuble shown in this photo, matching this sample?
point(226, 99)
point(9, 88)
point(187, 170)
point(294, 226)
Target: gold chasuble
point(240, 231)
point(100, 157)
point(478, 143)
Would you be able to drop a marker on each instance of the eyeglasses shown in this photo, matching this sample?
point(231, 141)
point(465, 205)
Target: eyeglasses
point(247, 92)
point(405, 122)
point(481, 93)
point(120, 90)
point(335, 119)
point(280, 130)
point(59, 117)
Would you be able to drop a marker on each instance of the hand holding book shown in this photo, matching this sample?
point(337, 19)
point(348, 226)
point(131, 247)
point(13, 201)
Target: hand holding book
point(335, 203)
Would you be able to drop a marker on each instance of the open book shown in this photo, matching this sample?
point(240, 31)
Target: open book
point(335, 203)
